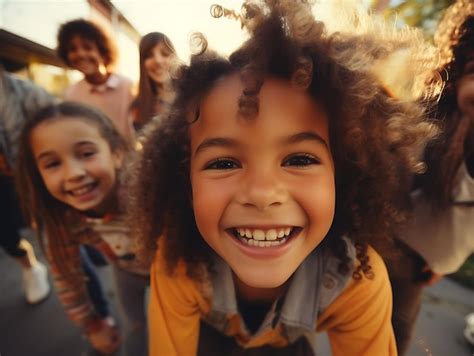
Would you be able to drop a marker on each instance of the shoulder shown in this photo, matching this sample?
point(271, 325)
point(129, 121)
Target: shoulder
point(24, 88)
point(377, 281)
point(176, 286)
point(377, 264)
point(75, 88)
point(364, 294)
point(358, 321)
point(121, 79)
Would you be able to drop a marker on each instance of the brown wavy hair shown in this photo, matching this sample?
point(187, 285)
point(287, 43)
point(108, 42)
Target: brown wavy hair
point(38, 205)
point(147, 88)
point(90, 31)
point(377, 138)
point(455, 39)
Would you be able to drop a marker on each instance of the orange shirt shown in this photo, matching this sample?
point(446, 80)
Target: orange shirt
point(358, 321)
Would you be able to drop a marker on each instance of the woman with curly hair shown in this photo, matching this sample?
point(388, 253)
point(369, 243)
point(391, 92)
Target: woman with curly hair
point(439, 239)
point(262, 193)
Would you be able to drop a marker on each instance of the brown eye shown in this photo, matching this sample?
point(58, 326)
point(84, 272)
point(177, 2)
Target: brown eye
point(300, 160)
point(222, 164)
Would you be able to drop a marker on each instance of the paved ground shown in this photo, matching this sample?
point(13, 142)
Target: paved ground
point(43, 330)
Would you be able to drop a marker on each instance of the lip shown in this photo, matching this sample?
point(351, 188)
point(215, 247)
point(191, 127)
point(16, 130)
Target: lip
point(86, 196)
point(83, 63)
point(264, 252)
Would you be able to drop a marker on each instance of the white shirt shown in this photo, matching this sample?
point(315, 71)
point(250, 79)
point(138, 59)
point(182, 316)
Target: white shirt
point(445, 239)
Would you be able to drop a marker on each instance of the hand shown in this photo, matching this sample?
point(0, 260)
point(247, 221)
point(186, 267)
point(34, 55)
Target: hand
point(107, 338)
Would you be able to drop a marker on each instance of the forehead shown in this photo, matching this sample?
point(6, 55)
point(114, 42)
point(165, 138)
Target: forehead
point(160, 45)
point(80, 41)
point(281, 106)
point(65, 131)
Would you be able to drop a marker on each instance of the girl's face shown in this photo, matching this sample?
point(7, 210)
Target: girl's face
point(84, 56)
point(157, 63)
point(465, 89)
point(76, 163)
point(263, 189)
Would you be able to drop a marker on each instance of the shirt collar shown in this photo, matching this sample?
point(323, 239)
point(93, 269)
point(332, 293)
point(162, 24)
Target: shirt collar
point(112, 82)
point(312, 287)
point(300, 294)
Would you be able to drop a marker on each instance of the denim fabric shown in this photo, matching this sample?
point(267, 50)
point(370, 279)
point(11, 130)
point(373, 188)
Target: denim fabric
point(313, 286)
point(94, 286)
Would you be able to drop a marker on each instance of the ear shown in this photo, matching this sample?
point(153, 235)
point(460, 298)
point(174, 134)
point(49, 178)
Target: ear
point(118, 157)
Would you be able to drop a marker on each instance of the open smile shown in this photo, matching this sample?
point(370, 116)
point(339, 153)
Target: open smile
point(264, 237)
point(84, 189)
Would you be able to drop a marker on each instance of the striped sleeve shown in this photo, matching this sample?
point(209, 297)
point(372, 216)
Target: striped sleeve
point(72, 292)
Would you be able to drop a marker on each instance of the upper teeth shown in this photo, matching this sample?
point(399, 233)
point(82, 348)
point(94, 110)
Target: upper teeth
point(82, 190)
point(262, 235)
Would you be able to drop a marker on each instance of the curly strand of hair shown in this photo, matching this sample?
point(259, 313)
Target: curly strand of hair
point(252, 80)
point(364, 267)
point(198, 43)
point(218, 11)
point(303, 75)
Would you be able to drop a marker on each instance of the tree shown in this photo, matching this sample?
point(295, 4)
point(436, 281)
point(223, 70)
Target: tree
point(424, 14)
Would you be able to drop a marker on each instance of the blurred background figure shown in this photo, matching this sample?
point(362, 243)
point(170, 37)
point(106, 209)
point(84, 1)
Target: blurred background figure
point(157, 55)
point(440, 239)
point(86, 47)
point(19, 99)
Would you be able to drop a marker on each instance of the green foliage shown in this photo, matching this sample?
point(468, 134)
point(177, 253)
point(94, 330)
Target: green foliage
point(424, 14)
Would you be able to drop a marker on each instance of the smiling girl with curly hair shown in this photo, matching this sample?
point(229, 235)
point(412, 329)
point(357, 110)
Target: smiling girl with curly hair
point(260, 193)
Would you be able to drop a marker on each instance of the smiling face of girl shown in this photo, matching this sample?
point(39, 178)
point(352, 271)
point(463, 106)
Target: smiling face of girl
point(76, 163)
point(263, 189)
point(157, 63)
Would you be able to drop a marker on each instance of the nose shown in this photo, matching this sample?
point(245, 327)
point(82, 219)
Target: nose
point(262, 190)
point(77, 51)
point(73, 171)
point(159, 59)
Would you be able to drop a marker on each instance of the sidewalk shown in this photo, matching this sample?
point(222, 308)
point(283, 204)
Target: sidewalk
point(44, 330)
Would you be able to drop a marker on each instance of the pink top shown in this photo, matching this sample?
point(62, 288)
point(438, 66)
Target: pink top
point(113, 98)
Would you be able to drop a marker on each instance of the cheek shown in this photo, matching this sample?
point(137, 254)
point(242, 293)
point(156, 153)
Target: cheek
point(51, 182)
point(203, 205)
point(319, 204)
point(209, 202)
point(147, 64)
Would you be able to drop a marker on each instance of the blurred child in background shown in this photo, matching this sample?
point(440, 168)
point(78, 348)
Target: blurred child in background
point(69, 180)
point(157, 54)
point(86, 47)
point(440, 237)
point(19, 99)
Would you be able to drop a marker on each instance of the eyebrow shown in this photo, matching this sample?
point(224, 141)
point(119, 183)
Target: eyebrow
point(306, 136)
point(215, 142)
point(49, 153)
point(228, 142)
point(44, 155)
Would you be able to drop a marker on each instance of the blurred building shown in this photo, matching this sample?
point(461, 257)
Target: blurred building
point(28, 38)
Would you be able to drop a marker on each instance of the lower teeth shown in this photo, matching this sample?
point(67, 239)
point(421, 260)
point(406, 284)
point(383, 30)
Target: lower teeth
point(256, 243)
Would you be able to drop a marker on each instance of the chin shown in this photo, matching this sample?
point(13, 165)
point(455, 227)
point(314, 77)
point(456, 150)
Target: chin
point(262, 280)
